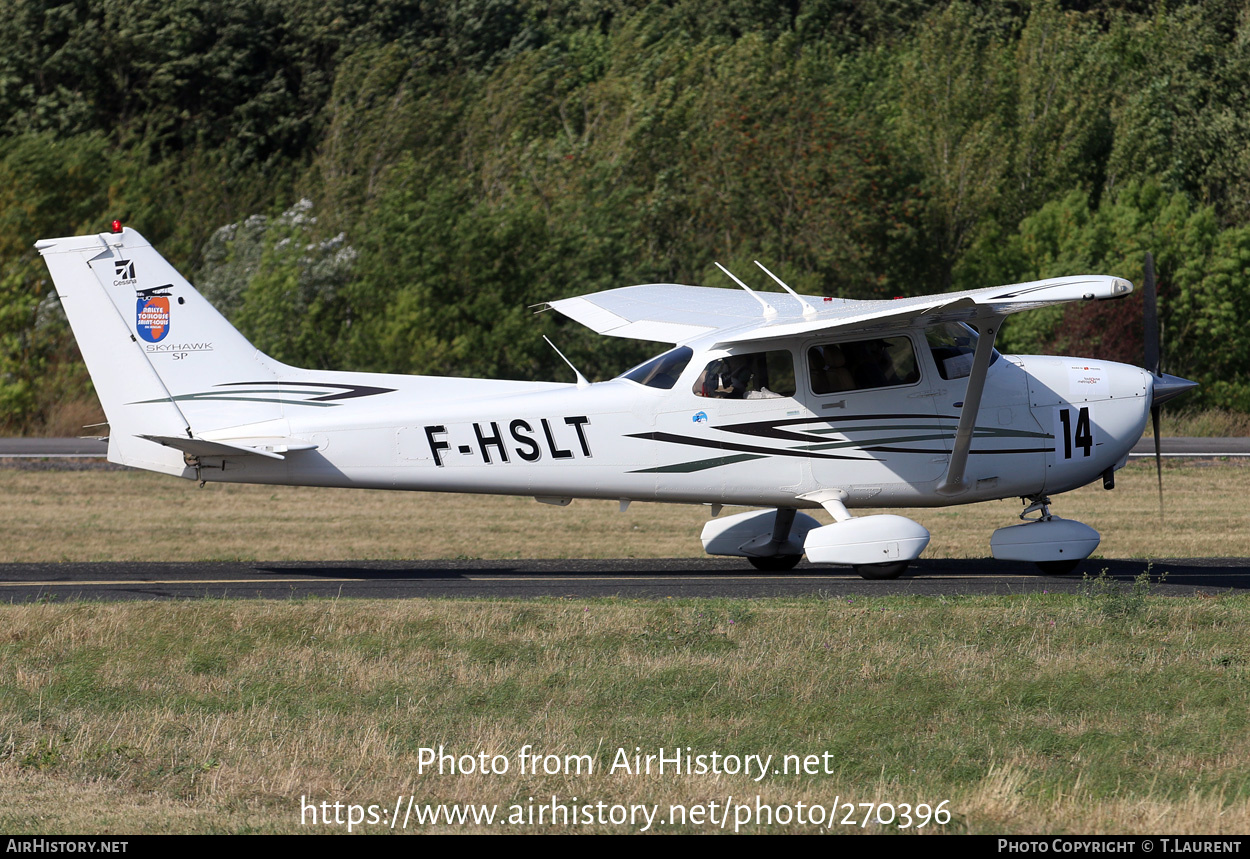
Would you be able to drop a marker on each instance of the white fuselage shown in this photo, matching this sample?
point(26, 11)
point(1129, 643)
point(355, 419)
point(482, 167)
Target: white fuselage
point(1045, 425)
point(767, 400)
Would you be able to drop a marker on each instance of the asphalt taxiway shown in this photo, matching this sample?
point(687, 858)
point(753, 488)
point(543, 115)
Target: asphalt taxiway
point(636, 579)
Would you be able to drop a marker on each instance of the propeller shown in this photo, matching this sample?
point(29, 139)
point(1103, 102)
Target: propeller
point(1164, 387)
point(1150, 315)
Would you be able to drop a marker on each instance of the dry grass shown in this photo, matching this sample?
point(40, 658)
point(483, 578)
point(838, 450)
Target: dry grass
point(1202, 423)
point(1034, 714)
point(1202, 506)
point(70, 418)
point(129, 515)
point(1038, 714)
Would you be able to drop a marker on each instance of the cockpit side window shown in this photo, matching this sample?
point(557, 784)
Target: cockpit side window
point(953, 345)
point(878, 363)
point(662, 371)
point(753, 376)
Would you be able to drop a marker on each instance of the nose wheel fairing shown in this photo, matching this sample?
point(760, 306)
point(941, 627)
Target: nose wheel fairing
point(1054, 544)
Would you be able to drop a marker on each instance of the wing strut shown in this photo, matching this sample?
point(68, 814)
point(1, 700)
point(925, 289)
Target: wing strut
point(953, 482)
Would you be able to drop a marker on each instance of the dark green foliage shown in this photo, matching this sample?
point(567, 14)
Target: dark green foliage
point(1204, 298)
point(463, 160)
point(48, 187)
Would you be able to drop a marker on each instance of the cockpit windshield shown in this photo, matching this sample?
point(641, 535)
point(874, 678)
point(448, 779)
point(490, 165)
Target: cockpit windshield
point(662, 371)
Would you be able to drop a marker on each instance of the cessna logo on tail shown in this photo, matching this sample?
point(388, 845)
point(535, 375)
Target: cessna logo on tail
point(124, 269)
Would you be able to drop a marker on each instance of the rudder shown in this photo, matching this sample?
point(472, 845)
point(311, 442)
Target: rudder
point(163, 360)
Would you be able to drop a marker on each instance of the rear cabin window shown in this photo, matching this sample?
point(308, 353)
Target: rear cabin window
point(879, 363)
point(754, 376)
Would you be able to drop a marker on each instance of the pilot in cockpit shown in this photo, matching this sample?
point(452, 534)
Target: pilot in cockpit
point(726, 378)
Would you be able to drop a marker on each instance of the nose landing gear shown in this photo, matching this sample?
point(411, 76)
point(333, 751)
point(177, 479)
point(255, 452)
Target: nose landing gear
point(1056, 545)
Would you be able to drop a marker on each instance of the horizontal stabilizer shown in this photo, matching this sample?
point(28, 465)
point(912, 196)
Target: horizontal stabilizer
point(273, 448)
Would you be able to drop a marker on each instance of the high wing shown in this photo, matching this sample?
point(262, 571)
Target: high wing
point(673, 313)
point(676, 313)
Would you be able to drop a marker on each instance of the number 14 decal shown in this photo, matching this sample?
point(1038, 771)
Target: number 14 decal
point(1075, 435)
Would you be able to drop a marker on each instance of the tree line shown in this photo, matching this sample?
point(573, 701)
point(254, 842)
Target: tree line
point(390, 185)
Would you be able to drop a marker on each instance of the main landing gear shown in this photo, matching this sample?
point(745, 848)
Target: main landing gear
point(877, 547)
point(776, 563)
point(882, 571)
point(772, 540)
point(882, 546)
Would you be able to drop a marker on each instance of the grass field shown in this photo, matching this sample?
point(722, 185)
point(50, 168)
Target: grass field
point(1113, 711)
point(138, 516)
point(1207, 423)
point(1105, 713)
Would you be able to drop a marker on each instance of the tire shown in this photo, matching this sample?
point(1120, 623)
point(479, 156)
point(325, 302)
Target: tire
point(776, 563)
point(882, 571)
point(1057, 568)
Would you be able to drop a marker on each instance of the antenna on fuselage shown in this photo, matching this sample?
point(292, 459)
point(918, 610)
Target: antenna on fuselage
point(769, 310)
point(808, 309)
point(581, 380)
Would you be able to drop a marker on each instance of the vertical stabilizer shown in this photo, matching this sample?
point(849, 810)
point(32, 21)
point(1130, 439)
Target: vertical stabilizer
point(163, 360)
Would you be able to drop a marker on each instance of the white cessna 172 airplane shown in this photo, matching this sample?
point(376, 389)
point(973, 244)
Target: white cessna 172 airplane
point(768, 399)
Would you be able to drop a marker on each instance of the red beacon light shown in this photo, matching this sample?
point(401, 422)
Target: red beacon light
point(117, 225)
